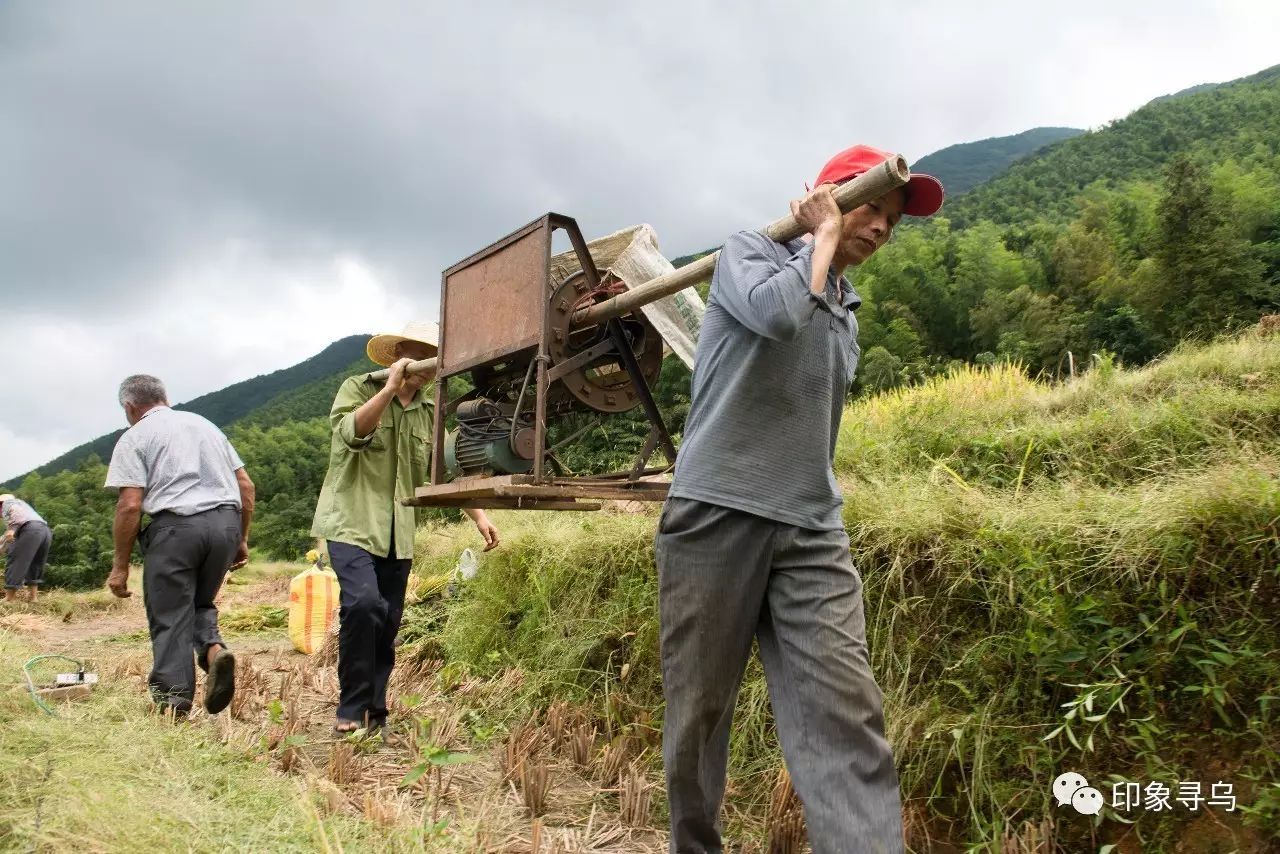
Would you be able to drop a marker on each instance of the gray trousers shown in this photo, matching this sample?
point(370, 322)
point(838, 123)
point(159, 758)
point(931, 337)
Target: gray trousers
point(724, 577)
point(27, 555)
point(186, 558)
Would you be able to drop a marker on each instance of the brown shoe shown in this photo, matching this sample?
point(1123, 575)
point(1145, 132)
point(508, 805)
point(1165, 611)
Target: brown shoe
point(220, 684)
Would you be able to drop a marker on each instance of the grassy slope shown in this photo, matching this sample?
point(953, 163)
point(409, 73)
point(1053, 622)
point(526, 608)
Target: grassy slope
point(104, 775)
point(1113, 542)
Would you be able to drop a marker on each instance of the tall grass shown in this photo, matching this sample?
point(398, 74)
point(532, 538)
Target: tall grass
point(574, 593)
point(1079, 577)
point(996, 426)
point(990, 618)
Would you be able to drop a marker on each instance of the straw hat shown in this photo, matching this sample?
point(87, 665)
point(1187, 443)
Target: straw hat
point(382, 348)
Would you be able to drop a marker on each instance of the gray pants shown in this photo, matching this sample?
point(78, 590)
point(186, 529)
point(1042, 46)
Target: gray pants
point(27, 555)
point(186, 558)
point(724, 577)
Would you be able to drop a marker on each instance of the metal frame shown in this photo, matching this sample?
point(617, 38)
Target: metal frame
point(537, 490)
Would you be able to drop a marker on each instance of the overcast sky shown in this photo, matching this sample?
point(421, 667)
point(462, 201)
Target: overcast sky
point(211, 191)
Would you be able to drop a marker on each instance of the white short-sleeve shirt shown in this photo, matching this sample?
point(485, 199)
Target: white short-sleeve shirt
point(183, 463)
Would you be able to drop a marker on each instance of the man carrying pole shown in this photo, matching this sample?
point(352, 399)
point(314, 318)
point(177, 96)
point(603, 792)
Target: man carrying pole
point(751, 542)
point(377, 458)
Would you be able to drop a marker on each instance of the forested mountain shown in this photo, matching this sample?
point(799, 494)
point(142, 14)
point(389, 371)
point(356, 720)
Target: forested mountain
point(1121, 242)
point(1190, 90)
point(963, 167)
point(1237, 121)
point(1109, 246)
point(239, 400)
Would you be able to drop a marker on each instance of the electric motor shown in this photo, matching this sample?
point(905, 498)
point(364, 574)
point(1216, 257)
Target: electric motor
point(485, 442)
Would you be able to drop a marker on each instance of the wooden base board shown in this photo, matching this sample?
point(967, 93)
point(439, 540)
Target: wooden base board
point(523, 492)
point(496, 503)
point(65, 692)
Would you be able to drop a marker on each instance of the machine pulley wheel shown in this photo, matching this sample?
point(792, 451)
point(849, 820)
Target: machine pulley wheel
point(602, 384)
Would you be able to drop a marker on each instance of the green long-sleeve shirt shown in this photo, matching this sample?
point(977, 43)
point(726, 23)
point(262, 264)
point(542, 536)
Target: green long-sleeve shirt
point(368, 476)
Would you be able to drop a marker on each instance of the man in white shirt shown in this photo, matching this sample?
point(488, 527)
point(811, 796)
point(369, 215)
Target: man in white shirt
point(180, 469)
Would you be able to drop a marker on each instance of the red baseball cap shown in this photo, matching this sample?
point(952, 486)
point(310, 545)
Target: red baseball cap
point(924, 192)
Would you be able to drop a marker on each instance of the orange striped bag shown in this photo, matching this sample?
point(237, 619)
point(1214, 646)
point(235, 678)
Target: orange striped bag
point(313, 596)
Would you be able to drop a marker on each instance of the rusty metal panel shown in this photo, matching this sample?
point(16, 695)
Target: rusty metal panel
point(493, 302)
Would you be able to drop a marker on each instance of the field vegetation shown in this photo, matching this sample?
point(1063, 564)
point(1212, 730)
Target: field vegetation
point(1058, 577)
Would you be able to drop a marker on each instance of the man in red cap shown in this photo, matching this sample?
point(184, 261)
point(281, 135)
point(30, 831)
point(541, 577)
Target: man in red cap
point(751, 542)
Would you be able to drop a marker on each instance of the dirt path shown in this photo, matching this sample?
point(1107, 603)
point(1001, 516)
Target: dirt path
point(79, 631)
point(585, 794)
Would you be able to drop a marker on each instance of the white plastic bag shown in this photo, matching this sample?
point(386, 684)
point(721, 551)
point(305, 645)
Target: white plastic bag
point(633, 256)
point(466, 568)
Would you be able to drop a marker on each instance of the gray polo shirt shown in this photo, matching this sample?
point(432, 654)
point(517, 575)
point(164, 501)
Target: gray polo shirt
point(184, 464)
point(773, 366)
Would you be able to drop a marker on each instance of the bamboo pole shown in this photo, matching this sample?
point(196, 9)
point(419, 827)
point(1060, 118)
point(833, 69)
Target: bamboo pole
point(866, 187)
point(869, 185)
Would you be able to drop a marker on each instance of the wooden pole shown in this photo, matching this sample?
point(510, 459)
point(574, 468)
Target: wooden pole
point(866, 187)
point(422, 366)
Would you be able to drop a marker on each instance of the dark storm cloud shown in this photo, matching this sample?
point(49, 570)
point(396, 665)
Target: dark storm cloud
point(173, 171)
point(134, 135)
point(133, 138)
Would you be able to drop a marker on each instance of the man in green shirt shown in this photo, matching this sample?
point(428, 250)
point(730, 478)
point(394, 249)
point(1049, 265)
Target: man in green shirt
point(377, 457)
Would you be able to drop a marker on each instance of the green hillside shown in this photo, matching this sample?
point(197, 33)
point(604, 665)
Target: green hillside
point(1079, 576)
point(963, 167)
point(1162, 226)
point(238, 401)
point(279, 394)
point(1238, 121)
point(1190, 90)
point(310, 400)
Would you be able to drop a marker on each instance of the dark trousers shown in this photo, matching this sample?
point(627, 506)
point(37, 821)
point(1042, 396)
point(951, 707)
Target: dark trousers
point(27, 555)
point(185, 561)
point(372, 599)
point(725, 577)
